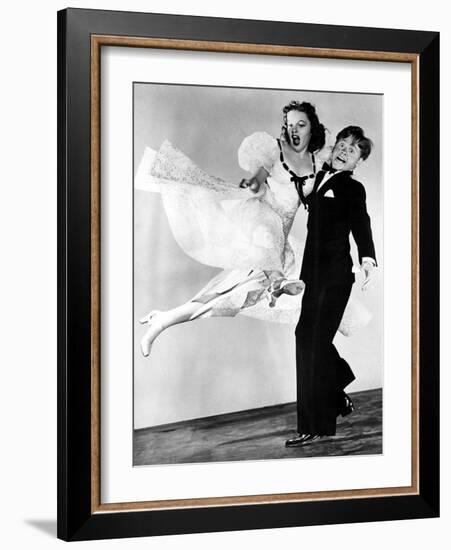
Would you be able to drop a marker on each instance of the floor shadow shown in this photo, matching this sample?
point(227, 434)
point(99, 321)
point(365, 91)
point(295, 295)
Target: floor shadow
point(47, 526)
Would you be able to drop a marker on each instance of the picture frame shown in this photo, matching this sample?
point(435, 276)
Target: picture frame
point(81, 36)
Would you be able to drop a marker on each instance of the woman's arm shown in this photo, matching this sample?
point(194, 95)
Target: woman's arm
point(256, 181)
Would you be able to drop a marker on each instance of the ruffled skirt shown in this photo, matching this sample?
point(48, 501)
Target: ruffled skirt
point(220, 225)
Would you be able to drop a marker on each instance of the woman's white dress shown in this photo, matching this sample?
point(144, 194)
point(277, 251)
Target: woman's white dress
point(247, 235)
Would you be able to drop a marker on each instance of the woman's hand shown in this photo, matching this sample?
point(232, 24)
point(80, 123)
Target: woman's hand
point(252, 183)
point(256, 181)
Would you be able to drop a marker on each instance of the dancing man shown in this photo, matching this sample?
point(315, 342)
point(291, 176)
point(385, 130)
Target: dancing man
point(337, 207)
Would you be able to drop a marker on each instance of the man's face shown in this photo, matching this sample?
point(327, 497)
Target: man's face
point(346, 154)
point(299, 130)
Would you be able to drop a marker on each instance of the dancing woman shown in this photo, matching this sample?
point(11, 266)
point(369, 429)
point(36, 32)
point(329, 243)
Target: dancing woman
point(243, 229)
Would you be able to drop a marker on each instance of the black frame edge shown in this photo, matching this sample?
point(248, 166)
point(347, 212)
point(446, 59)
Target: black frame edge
point(61, 279)
point(195, 27)
point(258, 516)
point(74, 272)
point(429, 176)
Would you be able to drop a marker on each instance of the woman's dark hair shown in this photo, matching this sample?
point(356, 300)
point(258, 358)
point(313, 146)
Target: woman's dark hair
point(358, 137)
point(318, 137)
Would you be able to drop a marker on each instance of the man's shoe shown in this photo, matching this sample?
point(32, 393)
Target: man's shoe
point(301, 439)
point(347, 406)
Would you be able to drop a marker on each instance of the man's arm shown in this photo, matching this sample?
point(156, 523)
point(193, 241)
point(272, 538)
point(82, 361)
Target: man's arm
point(362, 233)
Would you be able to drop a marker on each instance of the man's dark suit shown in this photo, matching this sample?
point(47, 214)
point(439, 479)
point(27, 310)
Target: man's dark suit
point(327, 272)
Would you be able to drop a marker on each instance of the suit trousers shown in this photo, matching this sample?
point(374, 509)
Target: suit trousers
point(321, 374)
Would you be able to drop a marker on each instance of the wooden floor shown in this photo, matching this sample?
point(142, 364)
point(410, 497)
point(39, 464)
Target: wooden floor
point(259, 434)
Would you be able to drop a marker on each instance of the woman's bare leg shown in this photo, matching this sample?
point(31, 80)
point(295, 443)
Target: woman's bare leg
point(158, 321)
point(161, 320)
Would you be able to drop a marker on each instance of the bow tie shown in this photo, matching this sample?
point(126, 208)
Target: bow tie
point(327, 168)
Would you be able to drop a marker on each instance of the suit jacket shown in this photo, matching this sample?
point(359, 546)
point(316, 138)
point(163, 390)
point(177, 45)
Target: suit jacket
point(331, 219)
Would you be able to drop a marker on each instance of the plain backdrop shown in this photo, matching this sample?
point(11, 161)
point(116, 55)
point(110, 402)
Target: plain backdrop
point(28, 274)
point(224, 365)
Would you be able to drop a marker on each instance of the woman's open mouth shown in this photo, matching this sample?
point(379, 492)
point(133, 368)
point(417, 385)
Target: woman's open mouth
point(295, 139)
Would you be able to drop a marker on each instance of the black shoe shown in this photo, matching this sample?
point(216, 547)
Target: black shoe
point(347, 406)
point(301, 440)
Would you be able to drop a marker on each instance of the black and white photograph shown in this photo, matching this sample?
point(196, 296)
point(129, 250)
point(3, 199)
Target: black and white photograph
point(225, 252)
point(257, 274)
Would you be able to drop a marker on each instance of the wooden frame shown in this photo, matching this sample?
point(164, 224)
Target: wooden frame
point(81, 35)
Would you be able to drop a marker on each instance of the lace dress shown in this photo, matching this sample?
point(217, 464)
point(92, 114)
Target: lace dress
point(247, 235)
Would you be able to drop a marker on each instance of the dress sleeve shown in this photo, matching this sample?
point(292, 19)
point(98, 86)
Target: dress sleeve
point(323, 155)
point(256, 151)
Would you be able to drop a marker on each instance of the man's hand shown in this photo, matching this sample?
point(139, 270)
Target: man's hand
point(367, 267)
